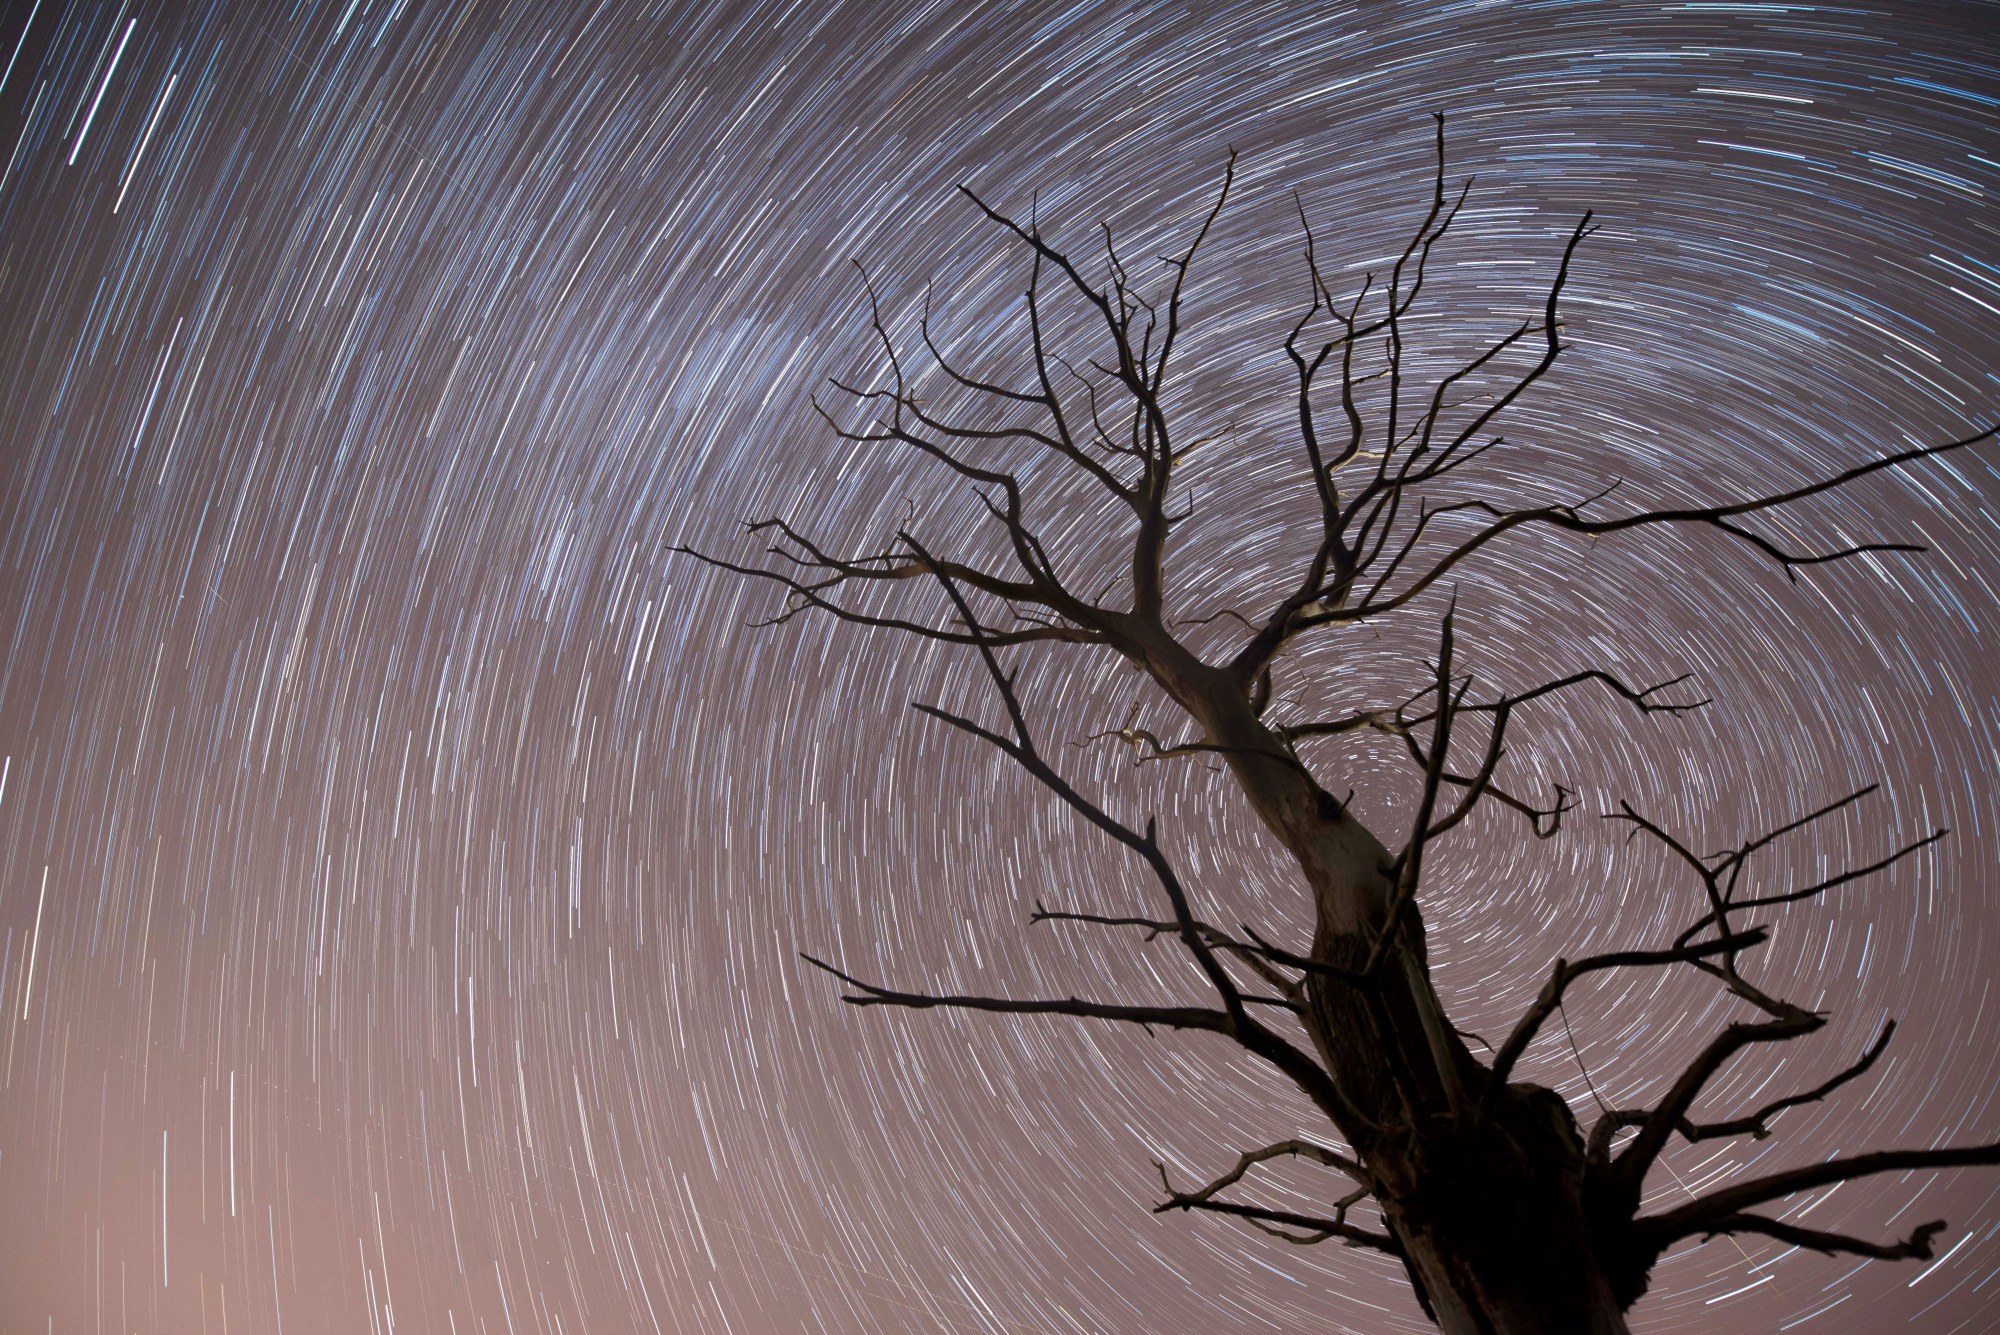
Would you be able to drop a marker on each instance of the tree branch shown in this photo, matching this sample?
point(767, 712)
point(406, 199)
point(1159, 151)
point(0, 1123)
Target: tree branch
point(1714, 516)
point(1705, 1214)
point(1252, 1034)
point(1757, 1124)
point(1915, 1247)
point(1166, 1017)
point(1567, 972)
point(1625, 1178)
point(1256, 958)
point(1321, 1229)
point(802, 596)
point(1295, 1148)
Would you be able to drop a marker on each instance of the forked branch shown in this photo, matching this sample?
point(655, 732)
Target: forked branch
point(1567, 972)
point(1295, 1148)
point(1707, 1214)
point(1718, 517)
point(1233, 1020)
point(1318, 1229)
point(1757, 1125)
point(1722, 880)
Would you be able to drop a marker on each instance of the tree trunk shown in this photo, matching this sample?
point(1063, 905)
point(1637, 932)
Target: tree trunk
point(1495, 1228)
point(1485, 1193)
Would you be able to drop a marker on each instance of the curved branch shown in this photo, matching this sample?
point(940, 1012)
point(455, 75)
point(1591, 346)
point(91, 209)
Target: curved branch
point(1295, 1148)
point(802, 596)
point(1757, 1124)
point(1640, 698)
point(1321, 1229)
point(1714, 516)
point(1146, 744)
point(1567, 972)
point(1705, 1214)
point(1253, 957)
point(1252, 1034)
point(1915, 1247)
point(1626, 1176)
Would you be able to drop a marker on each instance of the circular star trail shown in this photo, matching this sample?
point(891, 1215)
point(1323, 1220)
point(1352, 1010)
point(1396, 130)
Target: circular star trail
point(405, 858)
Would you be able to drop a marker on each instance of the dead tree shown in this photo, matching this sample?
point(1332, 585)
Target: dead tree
point(1506, 1215)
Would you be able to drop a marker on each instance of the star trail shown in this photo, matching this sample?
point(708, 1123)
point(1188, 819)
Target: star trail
point(405, 857)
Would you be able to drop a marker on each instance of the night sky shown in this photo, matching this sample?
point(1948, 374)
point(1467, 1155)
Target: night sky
point(404, 856)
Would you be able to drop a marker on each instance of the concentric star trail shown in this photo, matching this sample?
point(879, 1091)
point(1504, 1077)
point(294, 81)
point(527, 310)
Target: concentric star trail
point(405, 859)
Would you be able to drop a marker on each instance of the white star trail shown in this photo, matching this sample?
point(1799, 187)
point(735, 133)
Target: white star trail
point(360, 736)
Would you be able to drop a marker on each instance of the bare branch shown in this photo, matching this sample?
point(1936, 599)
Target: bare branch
point(1640, 698)
point(1409, 864)
point(1627, 1173)
point(1320, 1229)
point(889, 566)
point(1915, 1247)
point(803, 596)
point(1252, 1034)
point(1855, 874)
point(1295, 1148)
point(1721, 874)
point(1714, 516)
point(1705, 1214)
point(1291, 959)
point(1757, 1124)
point(1544, 820)
point(1253, 957)
point(1146, 744)
point(1375, 720)
point(1165, 1017)
point(1567, 972)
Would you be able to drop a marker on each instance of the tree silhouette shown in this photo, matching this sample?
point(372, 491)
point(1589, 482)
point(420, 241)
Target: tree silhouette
point(1507, 1216)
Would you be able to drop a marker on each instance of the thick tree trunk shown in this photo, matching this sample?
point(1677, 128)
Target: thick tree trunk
point(1495, 1228)
point(1486, 1196)
point(1485, 1193)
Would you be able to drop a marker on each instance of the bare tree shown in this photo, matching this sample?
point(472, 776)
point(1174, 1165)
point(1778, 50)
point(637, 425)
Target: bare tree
point(1506, 1215)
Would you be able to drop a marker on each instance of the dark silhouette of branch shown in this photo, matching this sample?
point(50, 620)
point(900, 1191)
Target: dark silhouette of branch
point(1567, 972)
point(1320, 1230)
point(805, 596)
point(1165, 1017)
point(1294, 1148)
point(1755, 1124)
point(1627, 1171)
point(1317, 1228)
point(1402, 723)
point(1915, 1247)
point(1256, 958)
point(1758, 1124)
point(1235, 1020)
point(1721, 878)
point(1718, 517)
point(1705, 1214)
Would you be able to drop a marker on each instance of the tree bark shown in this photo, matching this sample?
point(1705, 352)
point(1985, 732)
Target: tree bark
point(1496, 1228)
point(1485, 1193)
